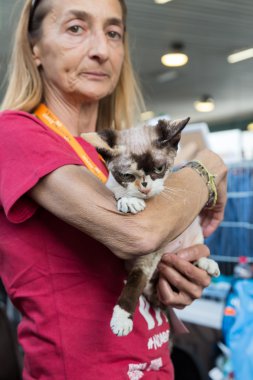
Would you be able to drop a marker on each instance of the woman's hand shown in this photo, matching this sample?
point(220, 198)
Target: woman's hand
point(181, 282)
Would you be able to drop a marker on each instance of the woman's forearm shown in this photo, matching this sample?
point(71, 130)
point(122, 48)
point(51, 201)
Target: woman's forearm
point(74, 195)
point(77, 197)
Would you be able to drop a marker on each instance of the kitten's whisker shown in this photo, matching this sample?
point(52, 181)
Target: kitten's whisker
point(177, 191)
point(169, 195)
point(174, 192)
point(171, 190)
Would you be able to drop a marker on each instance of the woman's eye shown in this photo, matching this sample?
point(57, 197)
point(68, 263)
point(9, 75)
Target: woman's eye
point(115, 35)
point(76, 29)
point(160, 169)
point(128, 177)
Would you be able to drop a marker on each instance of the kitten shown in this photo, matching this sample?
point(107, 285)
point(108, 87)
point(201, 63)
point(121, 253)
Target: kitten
point(139, 160)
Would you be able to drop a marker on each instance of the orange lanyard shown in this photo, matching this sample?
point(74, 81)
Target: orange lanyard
point(52, 121)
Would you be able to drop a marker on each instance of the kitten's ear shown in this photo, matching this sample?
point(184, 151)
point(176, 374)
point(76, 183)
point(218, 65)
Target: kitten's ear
point(169, 132)
point(103, 141)
point(177, 127)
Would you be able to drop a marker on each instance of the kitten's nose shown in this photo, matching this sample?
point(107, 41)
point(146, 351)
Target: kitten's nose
point(144, 184)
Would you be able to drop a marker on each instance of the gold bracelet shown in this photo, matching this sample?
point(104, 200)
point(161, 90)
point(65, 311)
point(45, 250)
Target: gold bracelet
point(209, 179)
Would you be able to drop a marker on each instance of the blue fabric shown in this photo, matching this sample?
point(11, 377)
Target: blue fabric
point(240, 337)
point(234, 237)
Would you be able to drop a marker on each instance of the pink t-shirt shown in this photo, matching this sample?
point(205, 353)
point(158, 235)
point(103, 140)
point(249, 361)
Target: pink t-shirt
point(65, 283)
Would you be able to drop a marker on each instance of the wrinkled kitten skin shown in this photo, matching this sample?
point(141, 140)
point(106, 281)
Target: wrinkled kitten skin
point(139, 160)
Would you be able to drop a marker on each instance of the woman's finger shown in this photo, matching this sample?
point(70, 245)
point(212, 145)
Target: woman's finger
point(193, 286)
point(182, 274)
point(190, 254)
point(171, 298)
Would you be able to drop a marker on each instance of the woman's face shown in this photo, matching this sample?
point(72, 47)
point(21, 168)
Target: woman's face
point(81, 50)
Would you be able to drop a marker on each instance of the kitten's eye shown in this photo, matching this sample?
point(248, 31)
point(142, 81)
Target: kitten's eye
point(128, 177)
point(160, 169)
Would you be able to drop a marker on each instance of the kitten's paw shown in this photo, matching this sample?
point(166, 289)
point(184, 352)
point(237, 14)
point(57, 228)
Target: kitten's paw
point(209, 265)
point(121, 322)
point(132, 204)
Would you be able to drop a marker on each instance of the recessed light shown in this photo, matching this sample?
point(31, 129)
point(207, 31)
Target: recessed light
point(175, 57)
point(205, 104)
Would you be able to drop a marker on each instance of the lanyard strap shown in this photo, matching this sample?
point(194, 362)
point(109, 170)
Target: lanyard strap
point(52, 121)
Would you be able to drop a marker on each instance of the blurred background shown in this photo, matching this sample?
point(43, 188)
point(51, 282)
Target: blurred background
point(193, 58)
point(207, 31)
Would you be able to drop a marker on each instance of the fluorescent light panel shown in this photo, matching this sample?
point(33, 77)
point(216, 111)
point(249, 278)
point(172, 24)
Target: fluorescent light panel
point(240, 55)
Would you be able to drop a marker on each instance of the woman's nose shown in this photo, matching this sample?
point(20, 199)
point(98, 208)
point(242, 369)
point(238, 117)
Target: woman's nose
point(99, 47)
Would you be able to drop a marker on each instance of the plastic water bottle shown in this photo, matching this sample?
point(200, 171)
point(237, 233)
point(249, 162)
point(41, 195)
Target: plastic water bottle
point(242, 269)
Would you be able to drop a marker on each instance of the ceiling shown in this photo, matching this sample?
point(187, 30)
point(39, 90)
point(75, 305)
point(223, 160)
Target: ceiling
point(209, 29)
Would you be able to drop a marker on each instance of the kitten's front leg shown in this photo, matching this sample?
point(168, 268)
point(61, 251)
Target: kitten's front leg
point(131, 204)
point(209, 265)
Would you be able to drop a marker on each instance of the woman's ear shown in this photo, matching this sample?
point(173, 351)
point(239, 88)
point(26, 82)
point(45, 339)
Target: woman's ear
point(36, 55)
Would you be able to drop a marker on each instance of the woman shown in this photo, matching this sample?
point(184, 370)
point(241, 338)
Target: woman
point(62, 240)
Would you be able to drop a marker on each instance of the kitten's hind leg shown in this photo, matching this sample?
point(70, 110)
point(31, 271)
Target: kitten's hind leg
point(122, 318)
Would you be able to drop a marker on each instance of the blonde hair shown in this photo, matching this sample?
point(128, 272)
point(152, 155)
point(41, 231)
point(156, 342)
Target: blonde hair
point(25, 88)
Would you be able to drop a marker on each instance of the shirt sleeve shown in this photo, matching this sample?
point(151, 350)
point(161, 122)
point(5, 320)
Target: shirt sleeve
point(29, 150)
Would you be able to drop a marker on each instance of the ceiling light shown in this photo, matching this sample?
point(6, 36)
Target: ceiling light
point(240, 56)
point(162, 1)
point(175, 57)
point(205, 104)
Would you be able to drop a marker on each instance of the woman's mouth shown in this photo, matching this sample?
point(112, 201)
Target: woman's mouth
point(95, 75)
